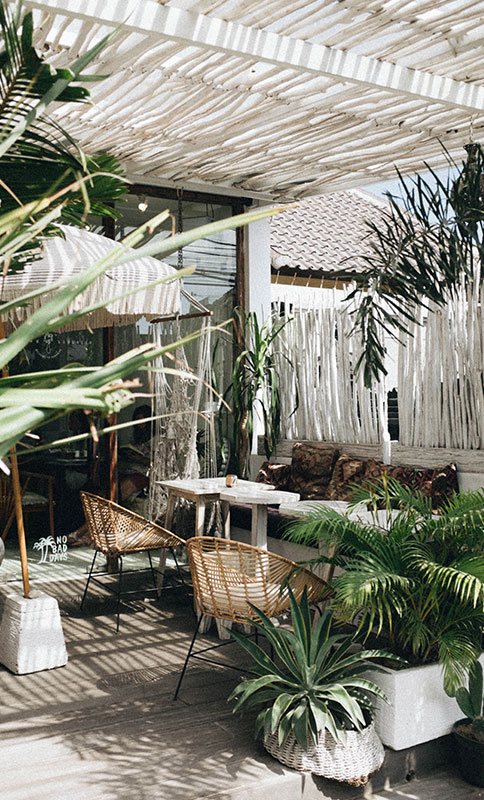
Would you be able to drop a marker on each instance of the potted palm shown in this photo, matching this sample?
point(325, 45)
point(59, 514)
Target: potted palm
point(314, 702)
point(416, 585)
point(469, 732)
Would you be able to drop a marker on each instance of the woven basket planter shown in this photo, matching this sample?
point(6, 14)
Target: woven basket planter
point(352, 762)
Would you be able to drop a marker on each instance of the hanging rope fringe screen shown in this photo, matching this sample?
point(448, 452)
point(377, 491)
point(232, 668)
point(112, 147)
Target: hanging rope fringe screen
point(333, 404)
point(180, 400)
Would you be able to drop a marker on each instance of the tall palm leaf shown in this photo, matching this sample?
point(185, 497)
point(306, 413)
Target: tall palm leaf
point(429, 241)
point(37, 157)
point(254, 388)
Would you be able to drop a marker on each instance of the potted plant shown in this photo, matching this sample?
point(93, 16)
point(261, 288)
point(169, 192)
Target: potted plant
point(253, 389)
point(314, 703)
point(415, 584)
point(469, 732)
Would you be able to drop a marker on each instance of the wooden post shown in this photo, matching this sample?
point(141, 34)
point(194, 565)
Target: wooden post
point(109, 230)
point(112, 439)
point(17, 496)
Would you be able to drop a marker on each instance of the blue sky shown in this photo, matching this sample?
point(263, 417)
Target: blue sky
point(393, 186)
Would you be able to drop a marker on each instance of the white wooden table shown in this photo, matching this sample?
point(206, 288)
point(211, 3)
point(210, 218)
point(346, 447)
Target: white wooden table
point(259, 498)
point(201, 491)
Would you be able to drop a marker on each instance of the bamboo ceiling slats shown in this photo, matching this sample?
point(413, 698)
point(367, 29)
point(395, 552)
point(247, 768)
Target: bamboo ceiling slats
point(208, 110)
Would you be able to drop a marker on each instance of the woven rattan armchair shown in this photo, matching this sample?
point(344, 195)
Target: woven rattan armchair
point(228, 575)
point(115, 531)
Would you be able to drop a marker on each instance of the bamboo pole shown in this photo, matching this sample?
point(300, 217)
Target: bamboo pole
point(17, 495)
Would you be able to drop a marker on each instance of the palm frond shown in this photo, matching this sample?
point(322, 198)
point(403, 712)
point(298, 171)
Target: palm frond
point(421, 249)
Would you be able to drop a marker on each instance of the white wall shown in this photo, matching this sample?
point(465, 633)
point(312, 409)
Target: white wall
point(258, 268)
point(257, 251)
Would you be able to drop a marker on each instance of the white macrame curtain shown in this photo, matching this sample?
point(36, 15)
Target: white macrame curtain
point(181, 399)
point(334, 405)
point(440, 375)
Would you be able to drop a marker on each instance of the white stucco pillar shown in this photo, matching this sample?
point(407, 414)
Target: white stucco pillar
point(257, 251)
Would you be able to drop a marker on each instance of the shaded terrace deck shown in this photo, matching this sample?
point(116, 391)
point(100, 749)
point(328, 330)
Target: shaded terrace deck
point(104, 727)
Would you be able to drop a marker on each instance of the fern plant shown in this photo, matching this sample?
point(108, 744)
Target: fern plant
point(314, 683)
point(416, 582)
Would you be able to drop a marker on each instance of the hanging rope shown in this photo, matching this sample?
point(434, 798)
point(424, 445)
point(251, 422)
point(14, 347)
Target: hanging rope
point(181, 399)
point(179, 218)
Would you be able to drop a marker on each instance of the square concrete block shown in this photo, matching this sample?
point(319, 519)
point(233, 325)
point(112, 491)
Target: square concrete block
point(31, 636)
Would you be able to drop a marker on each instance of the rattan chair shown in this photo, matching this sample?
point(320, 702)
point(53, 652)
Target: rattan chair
point(228, 575)
point(115, 531)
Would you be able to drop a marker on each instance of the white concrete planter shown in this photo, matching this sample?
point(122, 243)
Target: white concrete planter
point(31, 636)
point(419, 710)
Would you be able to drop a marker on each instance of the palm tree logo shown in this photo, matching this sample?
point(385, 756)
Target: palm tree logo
point(44, 544)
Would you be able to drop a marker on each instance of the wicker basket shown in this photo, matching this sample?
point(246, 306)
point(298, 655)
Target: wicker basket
point(352, 762)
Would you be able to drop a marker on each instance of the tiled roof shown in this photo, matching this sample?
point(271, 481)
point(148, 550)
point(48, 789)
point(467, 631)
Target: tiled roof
point(318, 234)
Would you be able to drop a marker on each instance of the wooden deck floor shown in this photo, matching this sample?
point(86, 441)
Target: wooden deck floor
point(105, 727)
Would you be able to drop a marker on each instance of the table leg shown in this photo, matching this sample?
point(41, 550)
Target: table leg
point(199, 517)
point(170, 511)
point(259, 526)
point(223, 628)
point(160, 572)
point(225, 518)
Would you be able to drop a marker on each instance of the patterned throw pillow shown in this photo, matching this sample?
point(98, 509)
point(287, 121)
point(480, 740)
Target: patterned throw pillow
point(444, 484)
point(277, 475)
point(437, 484)
point(312, 468)
point(418, 479)
point(346, 472)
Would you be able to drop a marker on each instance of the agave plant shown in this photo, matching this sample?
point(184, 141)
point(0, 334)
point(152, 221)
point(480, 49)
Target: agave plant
point(416, 582)
point(470, 700)
point(316, 681)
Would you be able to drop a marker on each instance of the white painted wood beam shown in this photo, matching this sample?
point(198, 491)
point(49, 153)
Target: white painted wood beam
point(151, 19)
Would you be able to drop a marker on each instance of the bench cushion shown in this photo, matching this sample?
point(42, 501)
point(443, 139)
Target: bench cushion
point(277, 475)
point(312, 468)
point(346, 472)
point(438, 484)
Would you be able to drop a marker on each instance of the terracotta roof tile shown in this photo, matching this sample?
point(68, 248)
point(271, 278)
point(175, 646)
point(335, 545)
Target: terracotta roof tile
point(319, 233)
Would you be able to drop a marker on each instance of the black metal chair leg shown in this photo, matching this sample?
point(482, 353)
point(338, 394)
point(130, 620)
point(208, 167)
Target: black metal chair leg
point(180, 573)
point(120, 581)
point(183, 581)
point(88, 579)
point(153, 575)
point(192, 643)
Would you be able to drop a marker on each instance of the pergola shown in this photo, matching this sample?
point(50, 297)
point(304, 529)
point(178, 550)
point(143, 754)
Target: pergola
point(274, 100)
